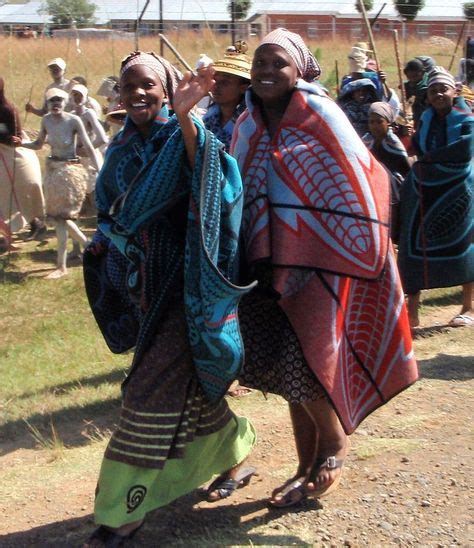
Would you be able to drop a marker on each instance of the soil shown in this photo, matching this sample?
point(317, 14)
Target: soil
point(407, 479)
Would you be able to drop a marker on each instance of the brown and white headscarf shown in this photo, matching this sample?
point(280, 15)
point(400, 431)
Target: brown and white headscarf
point(293, 44)
point(166, 72)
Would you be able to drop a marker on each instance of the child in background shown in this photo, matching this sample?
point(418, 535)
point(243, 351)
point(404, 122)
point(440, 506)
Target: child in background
point(389, 151)
point(355, 100)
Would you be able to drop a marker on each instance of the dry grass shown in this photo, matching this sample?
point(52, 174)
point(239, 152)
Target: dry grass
point(23, 62)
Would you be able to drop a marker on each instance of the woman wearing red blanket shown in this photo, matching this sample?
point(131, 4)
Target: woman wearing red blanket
point(326, 327)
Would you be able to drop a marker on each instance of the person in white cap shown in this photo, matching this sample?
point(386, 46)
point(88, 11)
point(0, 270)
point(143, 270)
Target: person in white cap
point(65, 182)
point(57, 68)
point(95, 131)
point(90, 101)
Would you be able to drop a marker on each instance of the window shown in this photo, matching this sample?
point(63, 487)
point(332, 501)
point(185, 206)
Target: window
point(451, 31)
point(312, 31)
point(423, 30)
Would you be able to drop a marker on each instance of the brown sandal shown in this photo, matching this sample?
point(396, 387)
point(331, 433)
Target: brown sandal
point(225, 487)
point(330, 463)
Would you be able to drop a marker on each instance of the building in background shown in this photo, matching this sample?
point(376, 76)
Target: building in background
point(312, 19)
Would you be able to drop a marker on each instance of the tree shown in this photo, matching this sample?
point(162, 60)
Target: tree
point(69, 12)
point(241, 8)
point(368, 5)
point(468, 9)
point(408, 9)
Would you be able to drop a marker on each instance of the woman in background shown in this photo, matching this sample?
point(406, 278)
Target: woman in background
point(437, 203)
point(21, 190)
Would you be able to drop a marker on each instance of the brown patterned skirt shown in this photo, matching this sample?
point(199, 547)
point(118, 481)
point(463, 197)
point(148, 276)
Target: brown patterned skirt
point(164, 407)
point(274, 360)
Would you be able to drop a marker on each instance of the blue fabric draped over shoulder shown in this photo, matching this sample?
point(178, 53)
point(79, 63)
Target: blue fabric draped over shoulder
point(136, 187)
point(436, 246)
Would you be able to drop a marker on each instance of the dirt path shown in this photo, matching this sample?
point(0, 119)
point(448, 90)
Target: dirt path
point(408, 481)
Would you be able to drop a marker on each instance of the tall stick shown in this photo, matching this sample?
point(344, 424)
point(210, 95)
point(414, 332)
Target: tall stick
point(337, 77)
point(457, 46)
point(137, 25)
point(372, 42)
point(400, 73)
point(29, 101)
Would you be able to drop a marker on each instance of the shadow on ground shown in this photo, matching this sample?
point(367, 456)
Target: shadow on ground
point(443, 300)
point(447, 367)
point(68, 422)
point(178, 524)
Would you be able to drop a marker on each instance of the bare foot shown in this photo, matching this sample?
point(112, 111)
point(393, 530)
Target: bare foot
point(58, 273)
point(237, 390)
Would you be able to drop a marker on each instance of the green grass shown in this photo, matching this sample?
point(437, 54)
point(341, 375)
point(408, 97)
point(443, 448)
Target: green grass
point(53, 360)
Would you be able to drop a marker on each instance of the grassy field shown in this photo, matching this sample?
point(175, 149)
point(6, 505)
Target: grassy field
point(54, 363)
point(59, 400)
point(23, 62)
point(60, 389)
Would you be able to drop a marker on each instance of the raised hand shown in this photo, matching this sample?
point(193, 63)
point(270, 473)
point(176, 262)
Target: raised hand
point(191, 89)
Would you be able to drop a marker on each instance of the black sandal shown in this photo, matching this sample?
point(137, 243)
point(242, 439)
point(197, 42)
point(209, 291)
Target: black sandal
point(111, 539)
point(224, 487)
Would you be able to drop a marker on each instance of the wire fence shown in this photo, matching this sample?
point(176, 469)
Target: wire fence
point(97, 54)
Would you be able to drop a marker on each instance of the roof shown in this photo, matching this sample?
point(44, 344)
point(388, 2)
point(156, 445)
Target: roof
point(29, 13)
point(216, 11)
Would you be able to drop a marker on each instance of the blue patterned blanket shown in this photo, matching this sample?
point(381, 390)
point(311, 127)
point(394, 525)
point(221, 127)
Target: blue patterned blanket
point(139, 185)
point(437, 208)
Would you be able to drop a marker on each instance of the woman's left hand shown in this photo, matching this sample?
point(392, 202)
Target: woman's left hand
point(192, 88)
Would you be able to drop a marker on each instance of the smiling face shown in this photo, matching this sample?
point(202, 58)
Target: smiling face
point(441, 97)
point(142, 96)
point(273, 74)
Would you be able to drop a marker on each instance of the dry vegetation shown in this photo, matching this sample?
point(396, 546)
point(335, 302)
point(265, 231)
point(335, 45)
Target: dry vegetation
point(23, 62)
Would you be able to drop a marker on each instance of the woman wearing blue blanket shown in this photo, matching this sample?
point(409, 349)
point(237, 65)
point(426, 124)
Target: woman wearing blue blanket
point(436, 246)
point(159, 277)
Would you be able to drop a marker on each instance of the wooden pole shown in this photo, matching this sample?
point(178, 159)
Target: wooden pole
point(461, 34)
point(337, 77)
point(29, 101)
point(175, 52)
point(400, 72)
point(372, 42)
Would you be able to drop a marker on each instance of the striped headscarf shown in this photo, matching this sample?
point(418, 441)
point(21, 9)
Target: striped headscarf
point(439, 75)
point(294, 45)
point(168, 75)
